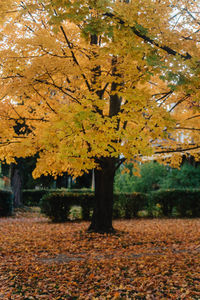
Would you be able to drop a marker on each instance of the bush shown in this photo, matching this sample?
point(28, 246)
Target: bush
point(186, 202)
point(128, 205)
point(57, 205)
point(6, 203)
point(164, 199)
point(32, 197)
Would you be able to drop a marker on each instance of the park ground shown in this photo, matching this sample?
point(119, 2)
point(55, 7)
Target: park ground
point(145, 259)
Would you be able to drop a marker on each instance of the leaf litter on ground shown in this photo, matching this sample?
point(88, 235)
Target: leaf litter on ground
point(145, 259)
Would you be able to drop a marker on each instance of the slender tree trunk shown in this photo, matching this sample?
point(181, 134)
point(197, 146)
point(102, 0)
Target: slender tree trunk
point(16, 185)
point(104, 182)
point(62, 181)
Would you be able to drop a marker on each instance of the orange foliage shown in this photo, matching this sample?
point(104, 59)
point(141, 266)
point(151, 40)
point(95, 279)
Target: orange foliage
point(146, 259)
point(92, 79)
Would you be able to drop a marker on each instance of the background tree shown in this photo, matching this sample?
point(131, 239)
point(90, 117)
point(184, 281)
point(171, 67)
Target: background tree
point(154, 176)
point(98, 82)
point(151, 176)
point(187, 177)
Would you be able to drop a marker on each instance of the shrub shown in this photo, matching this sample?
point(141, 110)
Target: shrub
point(56, 205)
point(152, 174)
point(6, 203)
point(186, 202)
point(128, 205)
point(153, 209)
point(165, 199)
point(189, 203)
point(32, 197)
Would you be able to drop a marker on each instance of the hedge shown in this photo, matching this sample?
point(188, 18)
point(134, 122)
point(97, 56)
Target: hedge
point(185, 202)
point(6, 203)
point(32, 197)
point(127, 205)
point(57, 205)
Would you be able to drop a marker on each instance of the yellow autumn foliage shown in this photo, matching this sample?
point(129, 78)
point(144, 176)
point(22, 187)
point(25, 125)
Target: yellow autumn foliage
point(81, 80)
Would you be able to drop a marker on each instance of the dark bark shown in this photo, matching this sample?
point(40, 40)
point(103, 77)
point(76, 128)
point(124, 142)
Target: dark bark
point(104, 181)
point(104, 175)
point(148, 39)
point(62, 181)
point(16, 185)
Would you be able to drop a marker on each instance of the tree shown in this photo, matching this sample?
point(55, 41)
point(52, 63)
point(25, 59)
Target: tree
point(155, 176)
point(151, 176)
point(187, 177)
point(98, 83)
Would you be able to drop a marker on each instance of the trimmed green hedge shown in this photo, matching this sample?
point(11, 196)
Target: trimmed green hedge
point(32, 197)
point(127, 205)
point(6, 203)
point(57, 205)
point(185, 202)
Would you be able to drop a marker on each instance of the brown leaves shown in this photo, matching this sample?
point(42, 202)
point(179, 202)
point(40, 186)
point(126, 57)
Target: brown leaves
point(146, 259)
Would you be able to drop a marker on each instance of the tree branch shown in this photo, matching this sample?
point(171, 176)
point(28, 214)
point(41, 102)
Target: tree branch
point(193, 117)
point(187, 128)
point(179, 102)
point(120, 161)
point(44, 99)
point(59, 88)
point(74, 57)
point(177, 150)
point(148, 39)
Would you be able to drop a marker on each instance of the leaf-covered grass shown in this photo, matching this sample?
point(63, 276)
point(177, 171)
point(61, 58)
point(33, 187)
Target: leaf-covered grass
point(145, 259)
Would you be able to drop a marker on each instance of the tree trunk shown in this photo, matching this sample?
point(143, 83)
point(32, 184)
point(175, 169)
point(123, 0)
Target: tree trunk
point(104, 182)
point(16, 185)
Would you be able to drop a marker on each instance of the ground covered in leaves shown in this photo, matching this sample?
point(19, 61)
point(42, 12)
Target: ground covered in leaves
point(146, 259)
